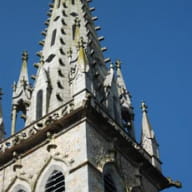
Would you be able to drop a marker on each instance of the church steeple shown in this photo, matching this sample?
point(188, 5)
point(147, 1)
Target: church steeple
point(74, 64)
point(2, 129)
point(148, 140)
point(21, 93)
point(79, 117)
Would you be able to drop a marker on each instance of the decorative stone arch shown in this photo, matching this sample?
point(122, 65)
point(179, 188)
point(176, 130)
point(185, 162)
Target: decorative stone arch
point(110, 169)
point(48, 169)
point(19, 184)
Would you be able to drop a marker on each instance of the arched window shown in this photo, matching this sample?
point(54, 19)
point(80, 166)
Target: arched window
point(56, 182)
point(109, 185)
point(39, 105)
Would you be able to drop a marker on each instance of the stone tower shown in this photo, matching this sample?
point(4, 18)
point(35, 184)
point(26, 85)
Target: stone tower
point(79, 120)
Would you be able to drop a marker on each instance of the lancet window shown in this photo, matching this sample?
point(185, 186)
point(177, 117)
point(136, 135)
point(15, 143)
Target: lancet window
point(56, 182)
point(39, 104)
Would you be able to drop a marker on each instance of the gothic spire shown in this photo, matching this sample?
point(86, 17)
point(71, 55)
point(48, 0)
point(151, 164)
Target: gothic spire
point(148, 140)
point(65, 73)
point(74, 66)
point(2, 129)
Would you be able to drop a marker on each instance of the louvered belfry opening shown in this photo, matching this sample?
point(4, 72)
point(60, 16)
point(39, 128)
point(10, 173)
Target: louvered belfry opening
point(56, 182)
point(109, 185)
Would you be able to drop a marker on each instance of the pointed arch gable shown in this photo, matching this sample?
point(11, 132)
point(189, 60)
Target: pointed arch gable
point(19, 184)
point(48, 169)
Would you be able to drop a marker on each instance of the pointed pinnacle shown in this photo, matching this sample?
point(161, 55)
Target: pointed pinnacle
point(144, 107)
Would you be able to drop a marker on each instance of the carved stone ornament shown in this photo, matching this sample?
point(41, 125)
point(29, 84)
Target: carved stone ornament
point(34, 128)
point(51, 145)
point(18, 164)
point(105, 158)
point(73, 72)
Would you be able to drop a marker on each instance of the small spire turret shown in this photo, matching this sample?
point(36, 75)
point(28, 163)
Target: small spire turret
point(148, 140)
point(125, 101)
point(21, 92)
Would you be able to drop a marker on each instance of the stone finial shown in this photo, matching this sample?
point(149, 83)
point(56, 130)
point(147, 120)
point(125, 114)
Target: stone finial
point(144, 107)
point(118, 64)
point(25, 56)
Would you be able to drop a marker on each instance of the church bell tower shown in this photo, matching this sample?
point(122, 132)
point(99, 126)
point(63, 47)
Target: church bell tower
point(79, 120)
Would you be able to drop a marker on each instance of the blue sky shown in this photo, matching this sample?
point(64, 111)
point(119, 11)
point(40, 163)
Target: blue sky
point(154, 41)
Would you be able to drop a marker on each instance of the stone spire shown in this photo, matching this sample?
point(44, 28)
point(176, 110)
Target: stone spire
point(21, 93)
point(2, 129)
point(73, 65)
point(125, 101)
point(148, 140)
point(73, 58)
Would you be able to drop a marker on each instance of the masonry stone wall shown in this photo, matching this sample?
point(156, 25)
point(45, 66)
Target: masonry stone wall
point(64, 152)
point(104, 155)
point(83, 154)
